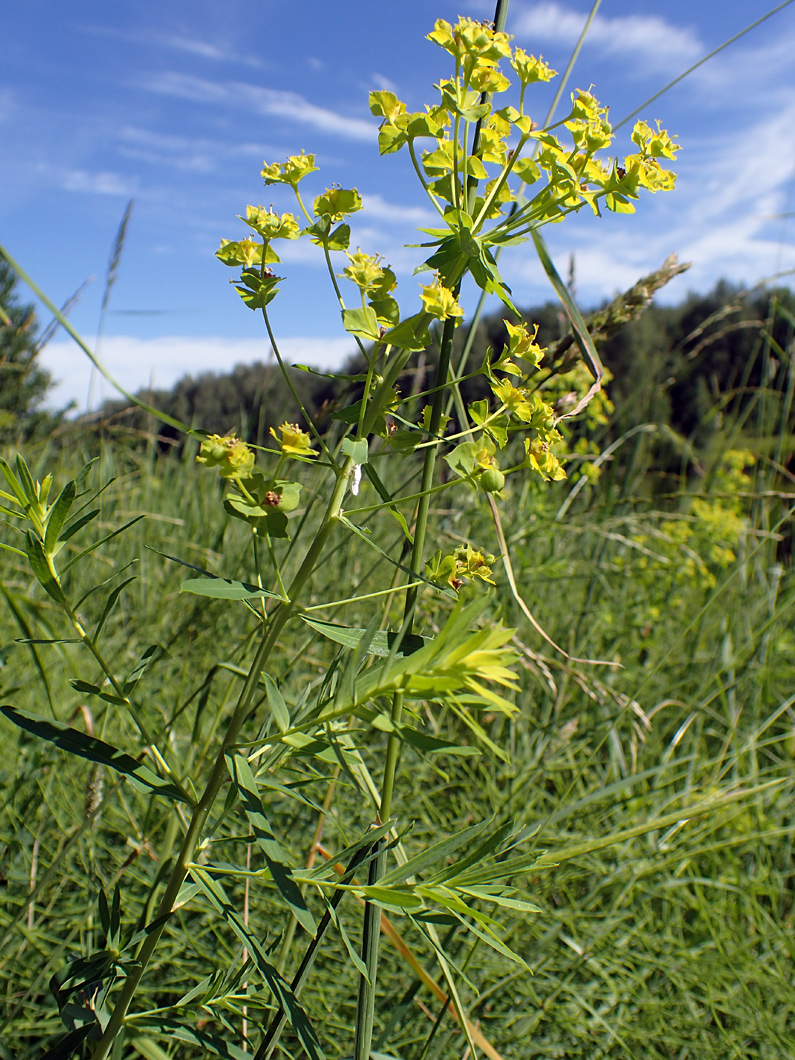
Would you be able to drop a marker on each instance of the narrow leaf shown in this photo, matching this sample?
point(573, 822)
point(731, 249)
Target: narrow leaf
point(225, 589)
point(58, 516)
point(69, 1045)
point(182, 1033)
point(102, 540)
point(84, 746)
point(41, 568)
point(578, 325)
point(280, 988)
point(275, 857)
point(109, 605)
point(281, 715)
point(381, 642)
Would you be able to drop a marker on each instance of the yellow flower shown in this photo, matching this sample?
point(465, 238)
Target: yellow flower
point(440, 302)
point(294, 441)
point(229, 454)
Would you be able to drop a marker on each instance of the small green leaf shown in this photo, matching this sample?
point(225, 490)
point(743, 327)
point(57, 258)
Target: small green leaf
point(26, 479)
point(96, 544)
point(275, 858)
point(14, 483)
point(58, 516)
point(340, 238)
point(109, 605)
point(356, 449)
point(95, 690)
point(381, 642)
point(410, 334)
point(41, 568)
point(78, 524)
point(169, 1028)
point(225, 589)
point(84, 746)
point(362, 322)
point(281, 715)
point(69, 1044)
point(137, 672)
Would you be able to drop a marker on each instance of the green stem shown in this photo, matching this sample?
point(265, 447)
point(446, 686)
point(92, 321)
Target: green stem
point(371, 931)
point(219, 773)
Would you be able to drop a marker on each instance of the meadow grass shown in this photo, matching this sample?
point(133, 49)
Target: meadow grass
point(669, 939)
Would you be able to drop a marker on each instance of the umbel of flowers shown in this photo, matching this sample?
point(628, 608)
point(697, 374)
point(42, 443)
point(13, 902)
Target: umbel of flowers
point(493, 176)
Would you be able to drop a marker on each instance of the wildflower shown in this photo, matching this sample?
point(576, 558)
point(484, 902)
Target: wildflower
point(229, 454)
point(290, 172)
point(294, 441)
point(440, 302)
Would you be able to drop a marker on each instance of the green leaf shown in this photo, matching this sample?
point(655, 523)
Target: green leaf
point(58, 516)
point(578, 325)
point(356, 449)
point(434, 855)
point(362, 323)
point(109, 605)
point(102, 540)
point(410, 334)
point(78, 524)
point(280, 988)
point(275, 858)
point(84, 746)
point(281, 715)
point(340, 238)
point(137, 672)
point(26, 480)
point(68, 1045)
point(14, 483)
point(380, 643)
point(95, 690)
point(225, 589)
point(170, 1028)
point(423, 741)
point(41, 568)
point(385, 495)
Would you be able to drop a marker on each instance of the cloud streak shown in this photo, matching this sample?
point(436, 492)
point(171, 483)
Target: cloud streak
point(649, 38)
point(289, 106)
point(161, 362)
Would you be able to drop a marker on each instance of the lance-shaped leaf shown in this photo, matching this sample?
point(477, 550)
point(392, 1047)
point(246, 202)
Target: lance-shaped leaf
point(58, 515)
point(68, 1045)
point(84, 746)
point(275, 857)
point(225, 589)
point(380, 642)
point(41, 568)
point(210, 1044)
point(279, 986)
point(578, 326)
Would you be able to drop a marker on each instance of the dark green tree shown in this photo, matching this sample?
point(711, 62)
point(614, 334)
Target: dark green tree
point(23, 382)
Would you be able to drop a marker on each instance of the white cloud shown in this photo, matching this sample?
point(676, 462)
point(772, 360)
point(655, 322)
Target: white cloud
point(655, 41)
point(102, 183)
point(376, 206)
point(138, 363)
point(288, 105)
point(215, 51)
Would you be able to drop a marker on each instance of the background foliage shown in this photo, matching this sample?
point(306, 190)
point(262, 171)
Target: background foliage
point(672, 562)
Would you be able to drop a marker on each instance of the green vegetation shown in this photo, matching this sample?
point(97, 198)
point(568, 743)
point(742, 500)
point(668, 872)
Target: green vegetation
point(285, 775)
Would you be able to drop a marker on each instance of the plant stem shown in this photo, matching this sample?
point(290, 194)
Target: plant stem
point(190, 843)
point(371, 929)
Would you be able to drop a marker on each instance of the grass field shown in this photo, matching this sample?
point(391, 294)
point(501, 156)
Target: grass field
point(655, 787)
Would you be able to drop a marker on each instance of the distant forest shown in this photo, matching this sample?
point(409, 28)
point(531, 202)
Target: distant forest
point(714, 365)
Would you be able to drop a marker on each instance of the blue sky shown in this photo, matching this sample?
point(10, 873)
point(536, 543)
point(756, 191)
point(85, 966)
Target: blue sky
point(177, 104)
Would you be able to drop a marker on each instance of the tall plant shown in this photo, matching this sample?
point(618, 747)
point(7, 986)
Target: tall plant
point(494, 178)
